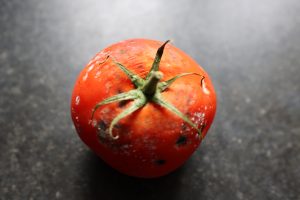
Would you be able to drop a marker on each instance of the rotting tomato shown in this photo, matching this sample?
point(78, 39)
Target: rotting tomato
point(143, 106)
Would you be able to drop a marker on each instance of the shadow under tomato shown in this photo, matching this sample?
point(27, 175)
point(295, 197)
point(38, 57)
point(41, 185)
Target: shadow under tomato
point(106, 183)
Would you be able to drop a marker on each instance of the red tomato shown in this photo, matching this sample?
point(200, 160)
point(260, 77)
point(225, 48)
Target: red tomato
point(143, 106)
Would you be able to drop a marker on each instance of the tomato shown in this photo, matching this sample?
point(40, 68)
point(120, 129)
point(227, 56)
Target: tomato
point(143, 106)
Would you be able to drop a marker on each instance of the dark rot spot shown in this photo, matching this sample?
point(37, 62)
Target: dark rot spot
point(119, 91)
point(188, 114)
point(102, 127)
point(122, 103)
point(181, 141)
point(184, 127)
point(160, 162)
point(202, 127)
point(118, 126)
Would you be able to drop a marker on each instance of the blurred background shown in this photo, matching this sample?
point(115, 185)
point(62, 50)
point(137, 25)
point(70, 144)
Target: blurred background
point(250, 48)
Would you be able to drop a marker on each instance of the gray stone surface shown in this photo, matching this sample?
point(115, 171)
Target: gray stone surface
point(251, 49)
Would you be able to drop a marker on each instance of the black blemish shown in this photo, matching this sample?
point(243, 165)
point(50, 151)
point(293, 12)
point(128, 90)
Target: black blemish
point(160, 162)
point(181, 141)
point(202, 127)
point(184, 127)
point(122, 129)
point(102, 125)
point(122, 103)
point(188, 114)
point(101, 130)
point(118, 126)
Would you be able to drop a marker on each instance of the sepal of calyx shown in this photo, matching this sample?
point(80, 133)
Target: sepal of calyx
point(146, 90)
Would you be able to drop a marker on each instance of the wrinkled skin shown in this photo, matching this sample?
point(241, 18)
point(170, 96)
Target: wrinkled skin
point(152, 141)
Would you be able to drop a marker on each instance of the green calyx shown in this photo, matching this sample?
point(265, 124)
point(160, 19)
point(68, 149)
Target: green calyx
point(146, 90)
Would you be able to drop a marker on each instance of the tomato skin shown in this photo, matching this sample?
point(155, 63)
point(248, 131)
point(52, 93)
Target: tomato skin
point(152, 141)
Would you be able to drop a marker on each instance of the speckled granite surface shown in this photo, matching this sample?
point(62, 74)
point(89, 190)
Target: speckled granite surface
point(250, 48)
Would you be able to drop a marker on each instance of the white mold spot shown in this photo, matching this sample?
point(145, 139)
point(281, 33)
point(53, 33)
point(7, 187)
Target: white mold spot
point(108, 86)
point(98, 73)
point(198, 118)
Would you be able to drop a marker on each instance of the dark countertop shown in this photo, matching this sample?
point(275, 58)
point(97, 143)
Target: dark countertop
point(251, 49)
